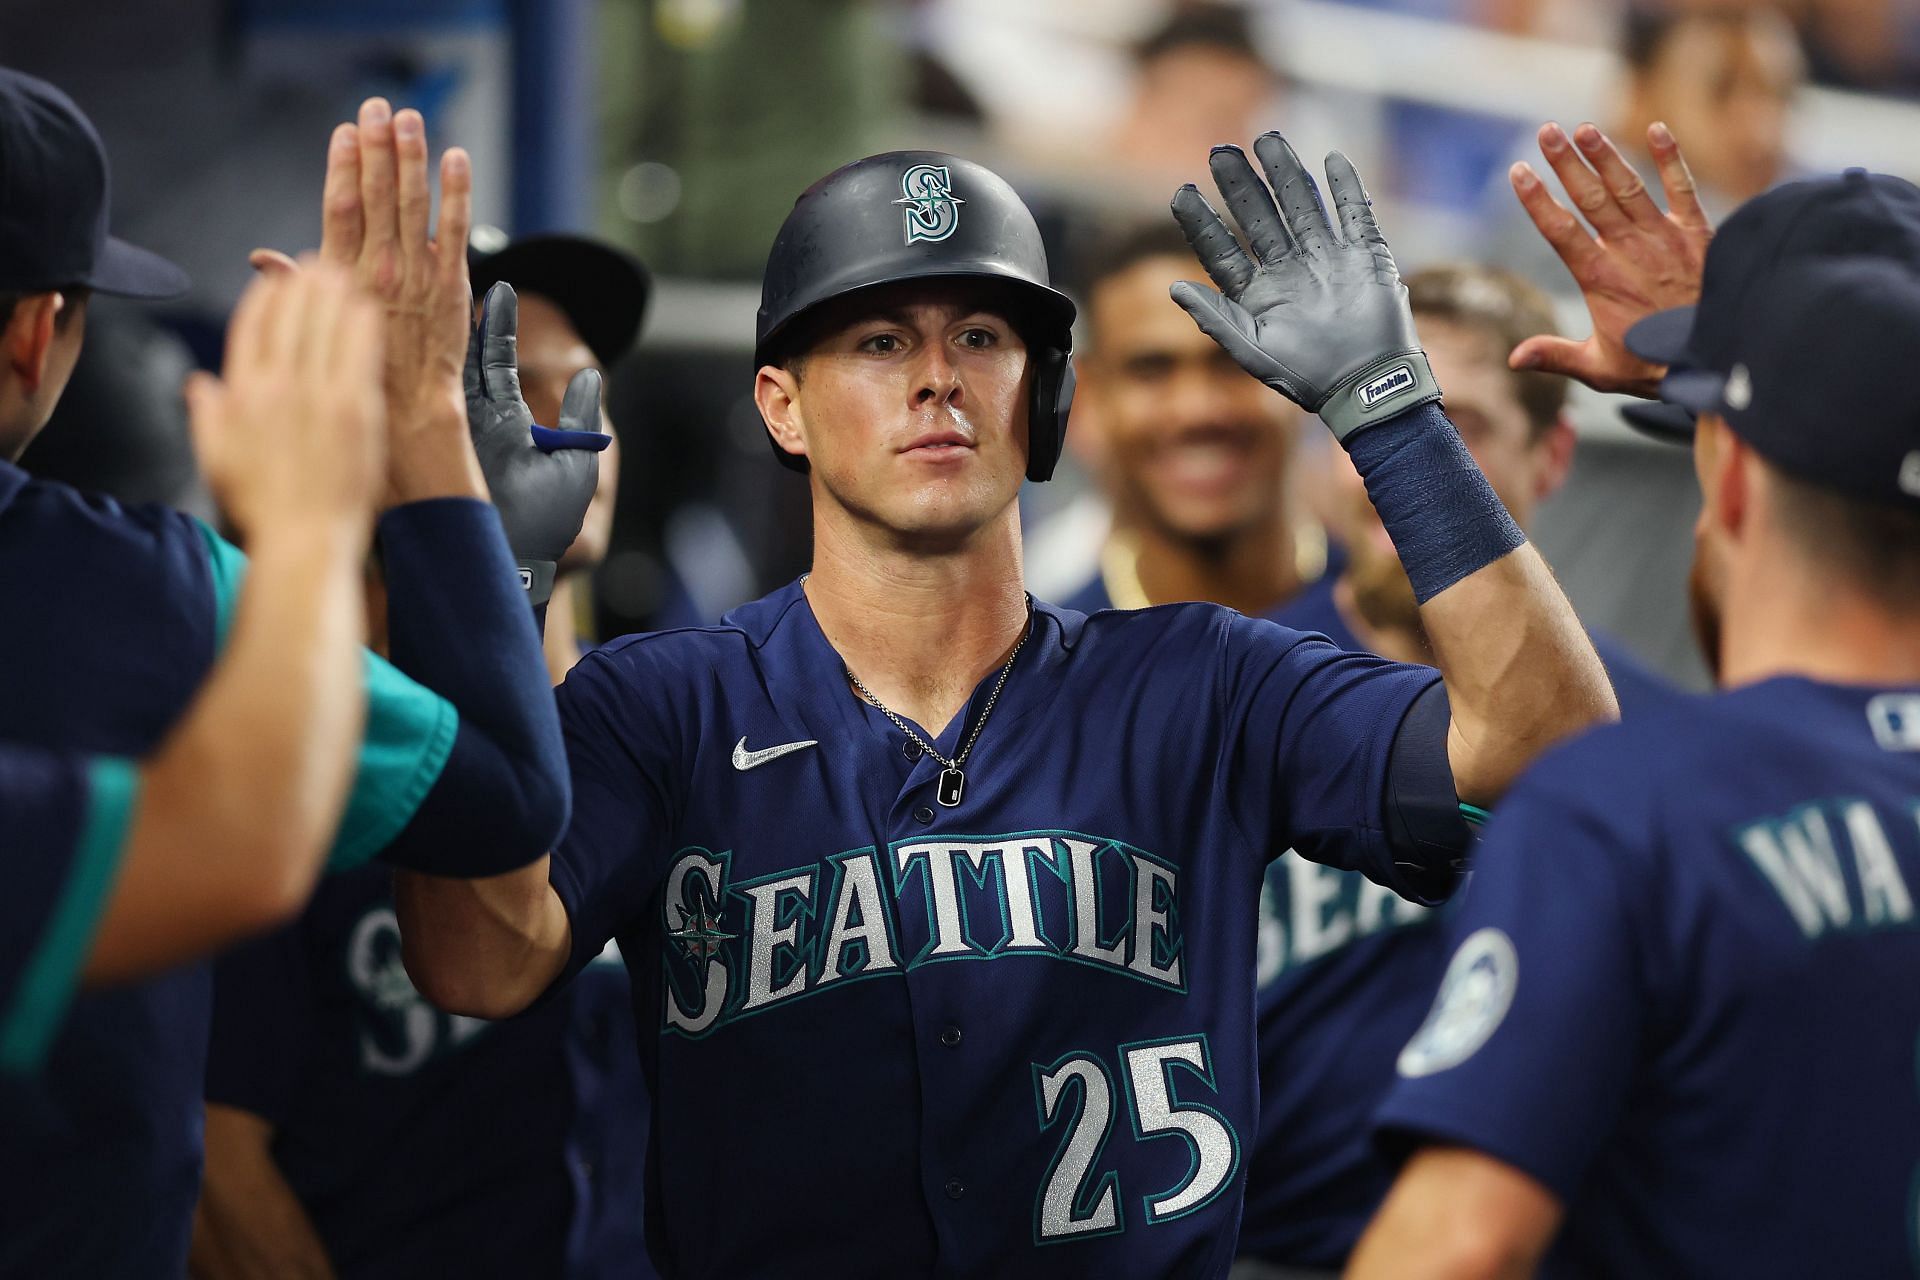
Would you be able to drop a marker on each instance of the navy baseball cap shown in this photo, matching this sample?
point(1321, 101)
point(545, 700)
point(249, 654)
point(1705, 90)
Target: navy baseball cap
point(53, 202)
point(1809, 306)
point(602, 291)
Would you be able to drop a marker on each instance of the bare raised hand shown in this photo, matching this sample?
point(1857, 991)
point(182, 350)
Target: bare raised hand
point(293, 432)
point(376, 226)
point(1636, 260)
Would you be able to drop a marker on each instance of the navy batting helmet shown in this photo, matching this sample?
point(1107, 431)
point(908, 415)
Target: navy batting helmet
point(922, 215)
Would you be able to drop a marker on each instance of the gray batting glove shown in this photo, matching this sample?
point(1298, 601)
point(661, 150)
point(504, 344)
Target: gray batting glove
point(542, 479)
point(1319, 315)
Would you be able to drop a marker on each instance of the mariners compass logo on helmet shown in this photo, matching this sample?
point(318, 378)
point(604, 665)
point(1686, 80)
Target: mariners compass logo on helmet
point(926, 196)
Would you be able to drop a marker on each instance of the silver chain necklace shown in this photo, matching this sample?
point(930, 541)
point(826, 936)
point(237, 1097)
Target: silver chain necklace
point(952, 781)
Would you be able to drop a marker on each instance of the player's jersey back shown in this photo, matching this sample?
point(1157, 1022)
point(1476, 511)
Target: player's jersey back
point(1684, 996)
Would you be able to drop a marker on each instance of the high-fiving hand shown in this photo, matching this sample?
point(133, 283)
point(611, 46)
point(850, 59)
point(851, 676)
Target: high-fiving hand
point(1636, 261)
point(376, 226)
point(1319, 315)
point(542, 479)
point(293, 433)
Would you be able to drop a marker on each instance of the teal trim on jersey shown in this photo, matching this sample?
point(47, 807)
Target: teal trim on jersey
point(228, 566)
point(409, 734)
point(47, 982)
point(1475, 814)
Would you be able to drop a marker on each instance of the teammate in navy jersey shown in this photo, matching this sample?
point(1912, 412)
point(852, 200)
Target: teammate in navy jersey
point(940, 902)
point(1682, 1042)
point(122, 868)
point(459, 771)
point(325, 1061)
point(1197, 460)
point(1513, 422)
point(1346, 971)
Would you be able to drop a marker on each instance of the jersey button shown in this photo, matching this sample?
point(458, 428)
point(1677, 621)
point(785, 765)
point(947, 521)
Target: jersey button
point(955, 1189)
point(923, 816)
point(950, 1037)
point(910, 749)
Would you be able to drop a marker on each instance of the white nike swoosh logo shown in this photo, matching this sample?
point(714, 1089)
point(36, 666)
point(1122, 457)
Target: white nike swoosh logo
point(744, 759)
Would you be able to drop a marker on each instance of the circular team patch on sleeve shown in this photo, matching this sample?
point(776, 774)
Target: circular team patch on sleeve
point(1474, 997)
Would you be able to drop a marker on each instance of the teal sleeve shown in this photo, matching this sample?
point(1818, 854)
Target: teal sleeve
point(409, 734)
point(29, 1019)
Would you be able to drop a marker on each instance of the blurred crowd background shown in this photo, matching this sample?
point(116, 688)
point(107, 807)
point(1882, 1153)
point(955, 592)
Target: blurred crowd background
point(683, 129)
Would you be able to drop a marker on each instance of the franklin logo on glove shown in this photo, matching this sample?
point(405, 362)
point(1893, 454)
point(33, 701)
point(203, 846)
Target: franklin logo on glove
point(1387, 386)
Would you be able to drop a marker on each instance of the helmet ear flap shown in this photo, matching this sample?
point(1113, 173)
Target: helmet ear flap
point(1053, 384)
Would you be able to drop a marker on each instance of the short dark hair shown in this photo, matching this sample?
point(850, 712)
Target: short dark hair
point(74, 294)
point(1873, 545)
point(1506, 309)
point(1120, 247)
point(1203, 24)
point(1648, 29)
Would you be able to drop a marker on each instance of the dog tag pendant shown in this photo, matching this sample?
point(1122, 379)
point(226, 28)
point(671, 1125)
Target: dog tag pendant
point(952, 783)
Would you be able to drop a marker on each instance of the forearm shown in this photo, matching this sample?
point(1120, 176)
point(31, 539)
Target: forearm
point(1519, 669)
point(249, 1224)
point(1454, 1214)
point(430, 454)
point(484, 947)
point(238, 805)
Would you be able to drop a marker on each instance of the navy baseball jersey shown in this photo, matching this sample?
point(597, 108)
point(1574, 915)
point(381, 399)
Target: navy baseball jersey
point(1346, 975)
point(1681, 989)
point(66, 819)
point(611, 1115)
point(116, 616)
point(318, 1030)
point(1093, 596)
point(1009, 1037)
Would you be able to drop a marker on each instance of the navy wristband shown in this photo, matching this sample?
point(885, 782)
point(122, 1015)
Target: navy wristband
point(1445, 519)
point(458, 622)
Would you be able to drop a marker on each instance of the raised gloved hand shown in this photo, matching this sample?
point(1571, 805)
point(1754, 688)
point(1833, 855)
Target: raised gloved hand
point(542, 479)
point(1319, 315)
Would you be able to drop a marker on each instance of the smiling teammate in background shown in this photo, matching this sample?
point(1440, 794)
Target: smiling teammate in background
point(1196, 457)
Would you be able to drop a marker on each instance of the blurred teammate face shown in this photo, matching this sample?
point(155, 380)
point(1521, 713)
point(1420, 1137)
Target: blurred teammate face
point(911, 409)
point(1190, 444)
point(1522, 465)
point(1726, 86)
point(551, 352)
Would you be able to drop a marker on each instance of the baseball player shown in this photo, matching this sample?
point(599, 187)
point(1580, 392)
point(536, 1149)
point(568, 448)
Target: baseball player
point(1196, 457)
point(1346, 971)
point(1342, 984)
point(940, 901)
point(1693, 1051)
point(123, 868)
point(325, 1062)
point(101, 1158)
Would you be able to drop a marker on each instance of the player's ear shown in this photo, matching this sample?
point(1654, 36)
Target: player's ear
point(1727, 467)
point(776, 393)
point(1554, 453)
point(28, 336)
